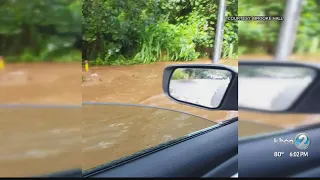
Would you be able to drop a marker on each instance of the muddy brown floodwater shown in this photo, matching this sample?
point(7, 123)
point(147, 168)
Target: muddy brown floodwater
point(41, 83)
point(37, 141)
point(113, 132)
point(142, 84)
point(43, 140)
point(40, 140)
point(116, 131)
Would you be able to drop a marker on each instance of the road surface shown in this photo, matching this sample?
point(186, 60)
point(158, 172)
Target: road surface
point(199, 91)
point(270, 93)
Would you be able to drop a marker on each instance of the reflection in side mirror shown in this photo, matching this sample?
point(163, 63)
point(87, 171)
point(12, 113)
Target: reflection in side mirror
point(199, 86)
point(272, 88)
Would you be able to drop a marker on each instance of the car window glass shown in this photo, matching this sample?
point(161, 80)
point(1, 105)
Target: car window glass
point(111, 131)
point(39, 140)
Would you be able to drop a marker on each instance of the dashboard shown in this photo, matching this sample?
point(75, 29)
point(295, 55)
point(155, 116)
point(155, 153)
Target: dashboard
point(276, 155)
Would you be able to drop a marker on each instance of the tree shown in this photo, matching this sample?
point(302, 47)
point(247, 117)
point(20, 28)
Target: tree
point(39, 29)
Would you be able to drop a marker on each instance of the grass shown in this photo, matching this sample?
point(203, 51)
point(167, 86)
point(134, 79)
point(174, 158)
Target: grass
point(142, 58)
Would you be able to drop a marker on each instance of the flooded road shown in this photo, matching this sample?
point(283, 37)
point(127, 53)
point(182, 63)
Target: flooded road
point(43, 140)
point(41, 83)
point(46, 137)
point(142, 84)
point(112, 132)
point(39, 140)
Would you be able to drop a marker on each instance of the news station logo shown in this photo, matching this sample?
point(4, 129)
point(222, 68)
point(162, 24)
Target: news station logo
point(283, 141)
point(301, 141)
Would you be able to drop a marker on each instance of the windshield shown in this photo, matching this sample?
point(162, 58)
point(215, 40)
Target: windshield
point(113, 131)
point(39, 139)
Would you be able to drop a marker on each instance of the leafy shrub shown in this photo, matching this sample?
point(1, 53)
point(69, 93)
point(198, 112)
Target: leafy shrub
point(138, 31)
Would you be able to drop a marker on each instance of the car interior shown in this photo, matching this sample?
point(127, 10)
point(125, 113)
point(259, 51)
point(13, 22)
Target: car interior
point(209, 153)
point(256, 154)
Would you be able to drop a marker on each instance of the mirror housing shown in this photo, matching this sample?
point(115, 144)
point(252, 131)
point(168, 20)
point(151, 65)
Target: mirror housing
point(307, 100)
point(229, 100)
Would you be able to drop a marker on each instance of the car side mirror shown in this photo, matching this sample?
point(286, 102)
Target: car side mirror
point(286, 87)
point(209, 86)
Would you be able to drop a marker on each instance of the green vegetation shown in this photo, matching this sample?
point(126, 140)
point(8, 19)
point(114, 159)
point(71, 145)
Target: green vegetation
point(179, 74)
point(143, 31)
point(140, 31)
point(198, 73)
point(40, 30)
point(261, 37)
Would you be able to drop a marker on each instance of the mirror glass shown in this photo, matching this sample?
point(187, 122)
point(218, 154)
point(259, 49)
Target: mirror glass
point(199, 86)
point(272, 88)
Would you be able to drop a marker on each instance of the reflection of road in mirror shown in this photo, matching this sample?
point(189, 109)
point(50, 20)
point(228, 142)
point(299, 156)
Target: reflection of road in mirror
point(270, 93)
point(199, 91)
